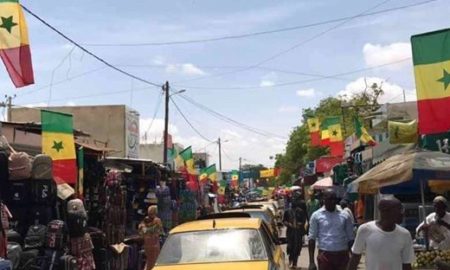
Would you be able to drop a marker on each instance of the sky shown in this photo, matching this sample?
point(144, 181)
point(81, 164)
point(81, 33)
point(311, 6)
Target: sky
point(261, 81)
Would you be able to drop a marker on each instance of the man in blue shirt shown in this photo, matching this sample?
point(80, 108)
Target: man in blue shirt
point(333, 231)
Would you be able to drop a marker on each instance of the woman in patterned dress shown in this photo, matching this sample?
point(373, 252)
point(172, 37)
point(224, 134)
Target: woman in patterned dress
point(151, 228)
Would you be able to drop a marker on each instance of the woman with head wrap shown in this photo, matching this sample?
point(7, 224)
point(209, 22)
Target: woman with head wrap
point(151, 229)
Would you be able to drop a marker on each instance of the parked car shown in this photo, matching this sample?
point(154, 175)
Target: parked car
point(221, 243)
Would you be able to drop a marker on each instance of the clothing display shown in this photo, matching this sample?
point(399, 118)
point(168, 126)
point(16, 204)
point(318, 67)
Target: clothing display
point(164, 207)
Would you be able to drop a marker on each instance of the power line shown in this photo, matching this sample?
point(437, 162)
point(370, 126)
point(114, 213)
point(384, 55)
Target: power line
point(322, 77)
point(157, 105)
point(188, 122)
point(252, 34)
point(89, 52)
point(229, 120)
point(295, 46)
point(62, 81)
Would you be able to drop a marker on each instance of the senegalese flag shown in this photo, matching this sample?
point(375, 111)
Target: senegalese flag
point(58, 142)
point(325, 135)
point(235, 178)
point(336, 137)
point(188, 160)
point(314, 130)
point(362, 134)
point(212, 173)
point(431, 58)
point(80, 182)
point(14, 43)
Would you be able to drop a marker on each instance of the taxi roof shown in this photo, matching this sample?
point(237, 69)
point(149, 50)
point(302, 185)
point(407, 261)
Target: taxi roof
point(224, 223)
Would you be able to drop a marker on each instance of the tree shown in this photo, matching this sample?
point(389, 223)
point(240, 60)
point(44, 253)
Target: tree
point(298, 149)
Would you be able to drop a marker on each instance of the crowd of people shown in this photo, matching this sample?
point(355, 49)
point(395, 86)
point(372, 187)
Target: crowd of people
point(330, 227)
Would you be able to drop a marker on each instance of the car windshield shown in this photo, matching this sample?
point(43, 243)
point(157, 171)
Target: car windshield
point(213, 246)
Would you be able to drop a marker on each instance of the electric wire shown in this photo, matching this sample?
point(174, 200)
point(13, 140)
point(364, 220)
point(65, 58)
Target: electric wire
point(333, 76)
point(230, 120)
point(88, 51)
point(285, 51)
point(188, 122)
point(157, 105)
point(253, 34)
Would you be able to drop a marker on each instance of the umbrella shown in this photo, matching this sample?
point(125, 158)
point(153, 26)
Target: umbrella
point(406, 171)
point(323, 183)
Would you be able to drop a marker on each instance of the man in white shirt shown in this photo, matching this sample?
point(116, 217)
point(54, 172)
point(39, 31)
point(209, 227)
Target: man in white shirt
point(386, 245)
point(439, 222)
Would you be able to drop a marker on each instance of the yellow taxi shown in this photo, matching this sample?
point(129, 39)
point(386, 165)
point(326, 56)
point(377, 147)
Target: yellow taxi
point(256, 211)
point(221, 244)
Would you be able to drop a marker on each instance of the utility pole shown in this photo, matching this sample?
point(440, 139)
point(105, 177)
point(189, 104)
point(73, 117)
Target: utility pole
point(9, 105)
point(220, 154)
point(240, 163)
point(404, 96)
point(165, 89)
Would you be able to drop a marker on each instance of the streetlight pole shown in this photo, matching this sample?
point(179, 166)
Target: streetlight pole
point(165, 89)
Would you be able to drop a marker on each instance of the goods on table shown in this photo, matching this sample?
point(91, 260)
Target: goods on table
point(427, 258)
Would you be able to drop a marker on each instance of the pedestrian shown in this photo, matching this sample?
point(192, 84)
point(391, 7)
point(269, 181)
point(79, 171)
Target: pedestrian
point(386, 245)
point(437, 225)
point(294, 219)
point(346, 209)
point(333, 231)
point(313, 204)
point(151, 229)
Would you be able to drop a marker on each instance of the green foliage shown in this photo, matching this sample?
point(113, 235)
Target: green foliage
point(298, 149)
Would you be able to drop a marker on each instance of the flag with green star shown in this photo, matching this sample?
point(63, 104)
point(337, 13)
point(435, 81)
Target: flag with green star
point(14, 44)
point(58, 142)
point(431, 58)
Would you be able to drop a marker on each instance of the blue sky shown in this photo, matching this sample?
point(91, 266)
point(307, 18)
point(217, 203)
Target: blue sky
point(360, 43)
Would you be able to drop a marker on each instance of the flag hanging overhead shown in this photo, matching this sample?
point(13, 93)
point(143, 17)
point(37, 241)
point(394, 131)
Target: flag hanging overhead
point(332, 135)
point(14, 44)
point(188, 158)
point(431, 58)
point(209, 173)
point(400, 133)
point(362, 134)
point(59, 144)
point(314, 130)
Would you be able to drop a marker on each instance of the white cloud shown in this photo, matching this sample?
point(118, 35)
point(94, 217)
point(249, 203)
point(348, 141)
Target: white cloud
point(71, 104)
point(376, 54)
point(267, 83)
point(392, 92)
point(186, 69)
point(36, 105)
point(311, 92)
point(159, 61)
point(269, 80)
point(288, 109)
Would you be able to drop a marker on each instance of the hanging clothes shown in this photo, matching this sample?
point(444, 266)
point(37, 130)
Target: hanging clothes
point(165, 207)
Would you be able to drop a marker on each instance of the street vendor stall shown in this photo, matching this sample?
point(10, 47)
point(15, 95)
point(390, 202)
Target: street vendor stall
point(416, 172)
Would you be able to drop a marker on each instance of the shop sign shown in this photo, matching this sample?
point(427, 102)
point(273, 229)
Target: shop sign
point(131, 134)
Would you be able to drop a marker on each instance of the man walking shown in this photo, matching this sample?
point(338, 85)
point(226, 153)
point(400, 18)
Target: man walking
point(386, 245)
point(333, 230)
point(294, 219)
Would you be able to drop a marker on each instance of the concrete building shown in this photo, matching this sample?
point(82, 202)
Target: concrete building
point(115, 126)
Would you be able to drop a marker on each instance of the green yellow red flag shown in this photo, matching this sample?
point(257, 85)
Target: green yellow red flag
point(209, 173)
point(188, 159)
point(431, 59)
point(362, 134)
point(14, 44)
point(58, 142)
point(314, 130)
